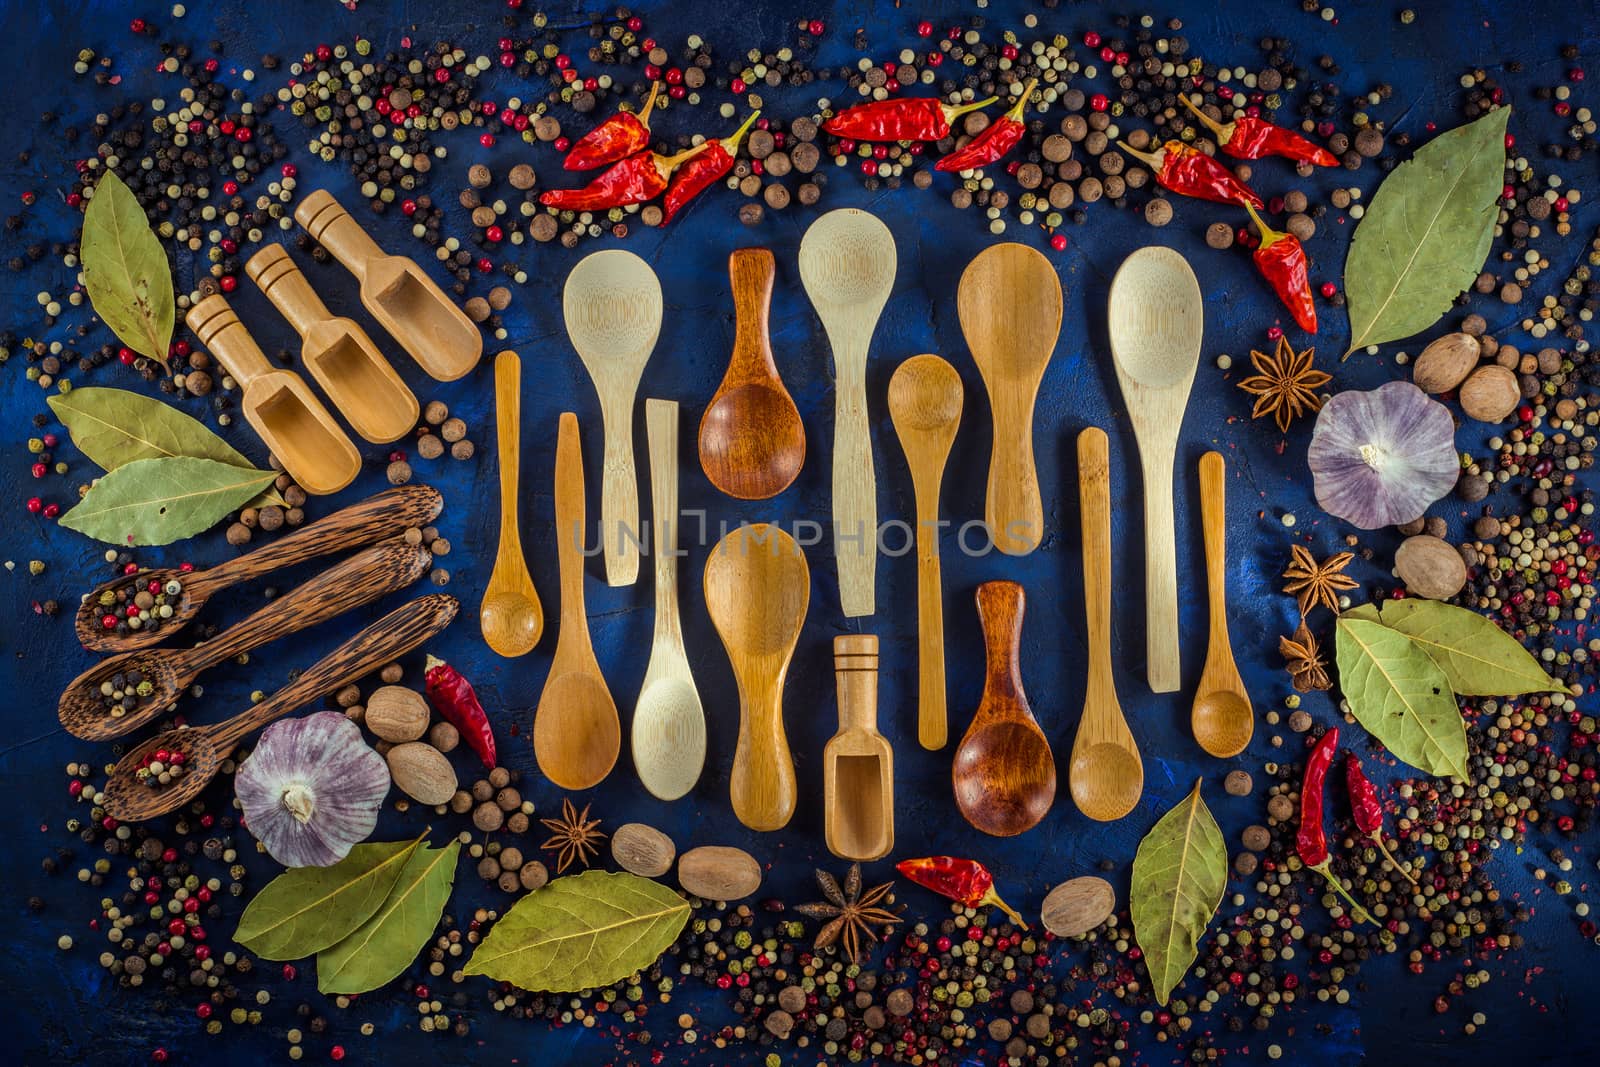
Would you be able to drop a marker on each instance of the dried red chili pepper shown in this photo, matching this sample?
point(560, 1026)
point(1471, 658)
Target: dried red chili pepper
point(912, 118)
point(1367, 809)
point(1281, 259)
point(452, 697)
point(993, 141)
point(1187, 171)
point(1311, 839)
point(1251, 138)
point(618, 137)
point(695, 176)
point(967, 882)
point(633, 181)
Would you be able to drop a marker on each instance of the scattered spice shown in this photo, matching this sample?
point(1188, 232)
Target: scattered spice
point(574, 837)
point(618, 137)
point(993, 141)
point(967, 882)
point(1302, 656)
point(1366, 810)
point(904, 118)
point(853, 915)
point(1312, 583)
point(1285, 383)
point(452, 697)
point(1187, 171)
point(1311, 840)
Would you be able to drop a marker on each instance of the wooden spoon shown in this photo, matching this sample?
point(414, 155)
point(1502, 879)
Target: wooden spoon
point(1221, 718)
point(1155, 320)
point(511, 617)
point(576, 733)
point(290, 420)
point(925, 399)
point(847, 264)
point(757, 590)
point(337, 352)
point(398, 293)
point(1004, 772)
point(1106, 776)
point(390, 512)
point(669, 724)
point(857, 763)
point(358, 580)
point(205, 747)
point(1009, 302)
point(752, 443)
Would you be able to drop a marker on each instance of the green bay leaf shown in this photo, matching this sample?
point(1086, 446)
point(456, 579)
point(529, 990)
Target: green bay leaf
point(1477, 657)
point(306, 909)
point(386, 944)
point(125, 270)
point(1179, 873)
point(116, 426)
point(581, 932)
point(158, 501)
point(1400, 695)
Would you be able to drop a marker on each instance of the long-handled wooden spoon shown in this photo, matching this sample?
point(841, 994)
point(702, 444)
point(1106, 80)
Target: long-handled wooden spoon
point(511, 617)
point(576, 732)
point(205, 747)
point(925, 399)
point(1221, 718)
point(857, 763)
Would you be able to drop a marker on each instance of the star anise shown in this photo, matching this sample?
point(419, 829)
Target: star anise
point(1313, 583)
point(1303, 657)
point(1285, 383)
point(573, 837)
point(852, 914)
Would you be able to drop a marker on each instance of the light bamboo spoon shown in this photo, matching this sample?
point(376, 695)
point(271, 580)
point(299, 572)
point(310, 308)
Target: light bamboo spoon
point(857, 763)
point(847, 264)
point(1221, 718)
point(1106, 776)
point(669, 724)
point(1009, 302)
point(511, 617)
point(612, 304)
point(1155, 319)
point(925, 399)
point(576, 732)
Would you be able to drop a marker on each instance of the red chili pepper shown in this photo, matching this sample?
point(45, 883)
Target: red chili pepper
point(1311, 839)
point(912, 118)
point(1367, 809)
point(1251, 138)
point(1281, 259)
point(993, 141)
point(1188, 171)
point(967, 882)
point(618, 137)
point(633, 181)
point(452, 697)
point(697, 175)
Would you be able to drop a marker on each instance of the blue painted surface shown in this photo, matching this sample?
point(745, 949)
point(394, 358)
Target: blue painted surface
point(61, 1005)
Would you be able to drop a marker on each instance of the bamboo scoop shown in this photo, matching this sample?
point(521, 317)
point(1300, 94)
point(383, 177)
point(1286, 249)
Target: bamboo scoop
point(390, 512)
point(757, 589)
point(337, 352)
point(205, 747)
point(576, 733)
point(858, 764)
point(1156, 319)
point(1221, 718)
point(752, 443)
point(362, 578)
point(669, 724)
point(1009, 302)
point(398, 293)
point(1004, 773)
point(1106, 776)
point(847, 263)
point(511, 617)
point(612, 302)
point(289, 419)
point(925, 403)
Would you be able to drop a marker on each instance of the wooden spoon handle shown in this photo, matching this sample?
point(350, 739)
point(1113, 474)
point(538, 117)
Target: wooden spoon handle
point(1000, 608)
point(661, 426)
point(1160, 572)
point(570, 516)
point(331, 226)
point(1213, 521)
point(1094, 504)
point(855, 674)
point(932, 715)
point(751, 272)
point(1012, 508)
point(508, 441)
point(855, 492)
point(226, 338)
point(278, 276)
point(619, 495)
point(762, 783)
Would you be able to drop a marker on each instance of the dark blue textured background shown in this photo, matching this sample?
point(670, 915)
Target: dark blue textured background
point(59, 1005)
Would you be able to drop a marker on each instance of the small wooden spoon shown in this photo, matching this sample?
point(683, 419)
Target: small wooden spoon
point(511, 617)
point(1156, 319)
point(205, 747)
point(576, 732)
point(358, 580)
point(1106, 776)
point(752, 443)
point(1004, 772)
point(857, 763)
point(757, 590)
point(925, 398)
point(1009, 302)
point(390, 512)
point(1221, 718)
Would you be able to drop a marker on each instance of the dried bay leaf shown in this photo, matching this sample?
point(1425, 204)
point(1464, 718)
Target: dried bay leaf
point(387, 943)
point(1477, 657)
point(158, 501)
point(125, 270)
point(307, 909)
point(1179, 874)
point(1400, 695)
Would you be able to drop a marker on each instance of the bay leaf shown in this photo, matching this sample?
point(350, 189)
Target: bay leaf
point(581, 932)
point(306, 909)
point(116, 426)
point(1369, 612)
point(386, 944)
point(125, 270)
point(1426, 233)
point(1477, 657)
point(1179, 873)
point(158, 501)
point(1400, 695)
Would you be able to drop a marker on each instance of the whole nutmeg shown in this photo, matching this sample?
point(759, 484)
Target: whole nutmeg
point(421, 771)
point(1490, 393)
point(1430, 567)
point(397, 714)
point(1446, 362)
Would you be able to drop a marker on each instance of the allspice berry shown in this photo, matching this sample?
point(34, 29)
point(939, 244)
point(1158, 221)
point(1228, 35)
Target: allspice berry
point(1237, 784)
point(1219, 235)
point(399, 472)
point(488, 817)
point(533, 875)
point(1158, 212)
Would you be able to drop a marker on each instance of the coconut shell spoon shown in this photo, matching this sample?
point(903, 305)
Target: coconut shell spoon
point(205, 747)
point(1221, 718)
point(510, 617)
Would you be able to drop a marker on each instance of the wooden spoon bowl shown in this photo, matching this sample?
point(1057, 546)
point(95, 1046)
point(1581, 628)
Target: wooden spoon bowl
point(92, 633)
point(1222, 719)
point(1106, 780)
point(511, 618)
point(83, 710)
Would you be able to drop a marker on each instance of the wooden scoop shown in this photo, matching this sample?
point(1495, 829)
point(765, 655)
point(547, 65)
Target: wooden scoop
point(398, 293)
point(390, 512)
point(511, 617)
point(757, 590)
point(205, 747)
point(337, 352)
point(847, 263)
point(858, 764)
point(362, 578)
point(612, 302)
point(1155, 320)
point(289, 419)
point(925, 399)
point(1106, 776)
point(1004, 772)
point(1221, 718)
point(576, 733)
point(1009, 302)
point(752, 444)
